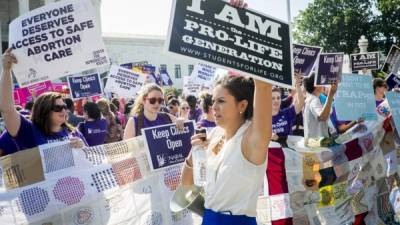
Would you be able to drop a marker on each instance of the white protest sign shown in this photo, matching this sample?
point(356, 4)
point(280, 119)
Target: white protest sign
point(203, 75)
point(124, 82)
point(190, 87)
point(56, 40)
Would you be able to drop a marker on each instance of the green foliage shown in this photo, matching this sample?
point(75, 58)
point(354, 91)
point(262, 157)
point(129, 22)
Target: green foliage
point(336, 25)
point(172, 91)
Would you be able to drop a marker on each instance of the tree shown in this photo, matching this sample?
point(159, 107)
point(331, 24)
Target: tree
point(388, 23)
point(336, 25)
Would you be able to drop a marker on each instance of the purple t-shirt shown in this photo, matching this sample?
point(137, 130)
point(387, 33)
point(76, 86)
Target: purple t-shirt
point(161, 119)
point(378, 102)
point(29, 135)
point(195, 114)
point(7, 144)
point(95, 132)
point(283, 121)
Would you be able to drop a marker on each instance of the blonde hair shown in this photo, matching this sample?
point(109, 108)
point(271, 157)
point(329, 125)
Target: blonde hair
point(146, 89)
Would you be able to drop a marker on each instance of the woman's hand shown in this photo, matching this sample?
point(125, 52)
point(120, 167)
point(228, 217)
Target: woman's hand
point(76, 142)
point(8, 59)
point(179, 123)
point(200, 139)
point(274, 137)
point(238, 4)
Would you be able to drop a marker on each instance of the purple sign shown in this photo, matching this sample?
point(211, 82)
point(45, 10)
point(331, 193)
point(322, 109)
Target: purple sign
point(393, 81)
point(392, 63)
point(329, 68)
point(369, 60)
point(83, 86)
point(166, 145)
point(304, 58)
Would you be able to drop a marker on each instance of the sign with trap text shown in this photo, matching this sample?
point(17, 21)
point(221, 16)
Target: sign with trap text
point(56, 40)
point(355, 98)
point(392, 63)
point(167, 145)
point(241, 39)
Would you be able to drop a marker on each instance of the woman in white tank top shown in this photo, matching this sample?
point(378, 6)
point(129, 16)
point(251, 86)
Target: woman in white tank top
point(236, 151)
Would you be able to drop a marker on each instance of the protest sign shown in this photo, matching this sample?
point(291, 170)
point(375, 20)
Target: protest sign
point(392, 62)
point(166, 145)
point(165, 78)
point(329, 69)
point(59, 87)
point(393, 99)
point(393, 81)
point(203, 75)
point(83, 86)
point(124, 82)
point(190, 87)
point(134, 64)
point(304, 58)
point(355, 98)
point(241, 39)
point(369, 60)
point(27, 94)
point(150, 72)
point(56, 40)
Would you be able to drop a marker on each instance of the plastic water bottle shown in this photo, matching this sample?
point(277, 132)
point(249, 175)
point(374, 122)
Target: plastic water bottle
point(199, 158)
point(199, 165)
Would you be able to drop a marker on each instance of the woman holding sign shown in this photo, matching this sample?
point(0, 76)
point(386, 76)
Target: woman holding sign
point(146, 111)
point(49, 115)
point(236, 150)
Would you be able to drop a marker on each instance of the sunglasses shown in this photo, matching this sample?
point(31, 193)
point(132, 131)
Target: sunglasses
point(154, 100)
point(59, 108)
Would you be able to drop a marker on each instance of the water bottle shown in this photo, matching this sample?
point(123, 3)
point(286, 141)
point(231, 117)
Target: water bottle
point(199, 158)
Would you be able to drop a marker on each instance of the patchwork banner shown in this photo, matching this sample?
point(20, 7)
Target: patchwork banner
point(167, 145)
point(329, 69)
point(361, 61)
point(229, 37)
point(124, 82)
point(84, 86)
point(392, 63)
point(355, 98)
point(304, 58)
point(354, 182)
point(56, 40)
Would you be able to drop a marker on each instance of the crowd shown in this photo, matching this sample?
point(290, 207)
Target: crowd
point(241, 117)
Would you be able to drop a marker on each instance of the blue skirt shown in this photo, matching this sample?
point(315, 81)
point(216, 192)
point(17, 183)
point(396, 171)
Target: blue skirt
point(214, 218)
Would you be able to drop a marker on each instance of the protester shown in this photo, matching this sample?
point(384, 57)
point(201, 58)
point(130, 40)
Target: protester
point(173, 106)
point(315, 115)
point(117, 112)
point(194, 112)
point(380, 89)
point(73, 119)
point(94, 128)
point(48, 116)
point(208, 120)
point(184, 110)
point(114, 127)
point(236, 151)
point(283, 119)
point(146, 111)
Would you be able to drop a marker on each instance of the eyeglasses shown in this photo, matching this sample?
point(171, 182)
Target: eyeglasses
point(59, 108)
point(154, 100)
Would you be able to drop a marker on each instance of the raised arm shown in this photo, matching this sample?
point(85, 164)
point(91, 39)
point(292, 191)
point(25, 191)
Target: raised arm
point(11, 117)
point(257, 137)
point(299, 100)
point(326, 110)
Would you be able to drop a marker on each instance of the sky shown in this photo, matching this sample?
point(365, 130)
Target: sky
point(151, 17)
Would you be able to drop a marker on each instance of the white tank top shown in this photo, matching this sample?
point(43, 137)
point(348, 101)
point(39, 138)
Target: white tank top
point(233, 183)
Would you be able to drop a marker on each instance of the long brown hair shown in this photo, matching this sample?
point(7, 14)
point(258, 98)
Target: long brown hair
point(41, 111)
point(138, 106)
